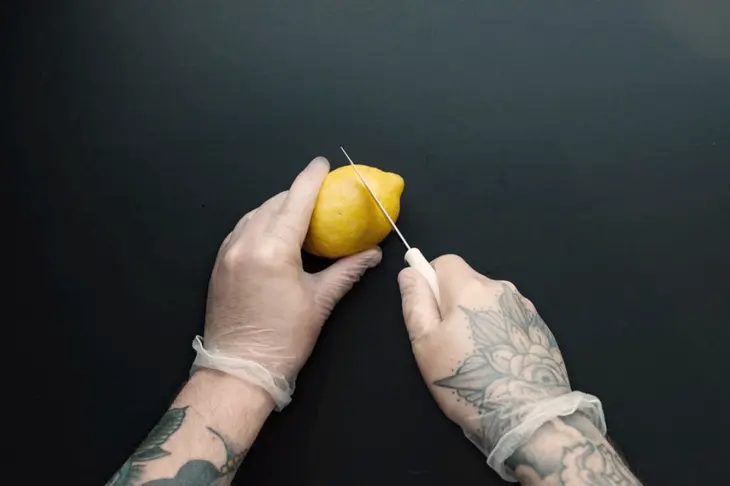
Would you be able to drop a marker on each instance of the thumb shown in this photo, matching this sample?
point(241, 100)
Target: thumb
point(335, 281)
point(420, 309)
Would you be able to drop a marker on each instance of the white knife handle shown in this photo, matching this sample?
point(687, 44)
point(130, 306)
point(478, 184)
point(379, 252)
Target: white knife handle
point(415, 259)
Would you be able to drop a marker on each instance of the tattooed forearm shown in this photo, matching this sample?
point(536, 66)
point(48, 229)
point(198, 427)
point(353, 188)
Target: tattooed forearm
point(569, 451)
point(194, 472)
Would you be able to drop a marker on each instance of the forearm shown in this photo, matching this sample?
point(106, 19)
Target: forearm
point(570, 451)
point(202, 438)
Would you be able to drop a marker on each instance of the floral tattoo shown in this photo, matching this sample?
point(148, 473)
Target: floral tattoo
point(516, 361)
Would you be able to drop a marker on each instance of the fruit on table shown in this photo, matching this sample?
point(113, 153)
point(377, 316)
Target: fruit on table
point(346, 219)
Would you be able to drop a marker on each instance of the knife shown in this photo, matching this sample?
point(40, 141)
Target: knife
point(414, 258)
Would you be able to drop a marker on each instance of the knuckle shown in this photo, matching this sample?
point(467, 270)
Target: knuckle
point(509, 284)
point(530, 304)
point(513, 288)
point(246, 218)
point(473, 288)
point(233, 257)
point(448, 260)
point(265, 255)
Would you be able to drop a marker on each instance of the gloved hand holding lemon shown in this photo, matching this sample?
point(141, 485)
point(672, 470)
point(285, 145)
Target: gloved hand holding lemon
point(345, 219)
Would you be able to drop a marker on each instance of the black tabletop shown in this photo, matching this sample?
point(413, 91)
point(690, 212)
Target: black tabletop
point(577, 148)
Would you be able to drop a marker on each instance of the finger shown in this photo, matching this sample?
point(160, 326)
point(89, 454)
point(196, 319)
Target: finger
point(292, 222)
point(336, 280)
point(420, 310)
point(453, 275)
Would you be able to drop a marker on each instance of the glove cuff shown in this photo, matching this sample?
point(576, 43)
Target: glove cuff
point(540, 413)
point(245, 370)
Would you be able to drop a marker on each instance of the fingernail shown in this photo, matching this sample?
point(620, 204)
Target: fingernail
point(320, 161)
point(405, 279)
point(376, 258)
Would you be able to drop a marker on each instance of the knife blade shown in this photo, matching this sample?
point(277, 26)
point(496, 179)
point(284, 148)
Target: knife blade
point(413, 257)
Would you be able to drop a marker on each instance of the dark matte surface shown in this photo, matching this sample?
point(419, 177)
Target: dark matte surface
point(577, 148)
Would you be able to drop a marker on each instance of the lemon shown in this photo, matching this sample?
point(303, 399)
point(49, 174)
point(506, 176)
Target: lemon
point(346, 219)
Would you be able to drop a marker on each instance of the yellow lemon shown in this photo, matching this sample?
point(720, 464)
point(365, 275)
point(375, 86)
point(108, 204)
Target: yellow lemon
point(346, 219)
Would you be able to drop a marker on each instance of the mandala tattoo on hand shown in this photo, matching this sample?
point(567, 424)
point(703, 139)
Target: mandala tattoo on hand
point(516, 361)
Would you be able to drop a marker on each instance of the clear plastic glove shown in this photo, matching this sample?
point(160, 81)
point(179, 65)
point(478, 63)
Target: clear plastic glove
point(264, 312)
point(490, 361)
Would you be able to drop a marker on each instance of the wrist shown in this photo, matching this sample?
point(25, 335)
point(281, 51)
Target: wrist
point(226, 403)
point(550, 450)
point(558, 433)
